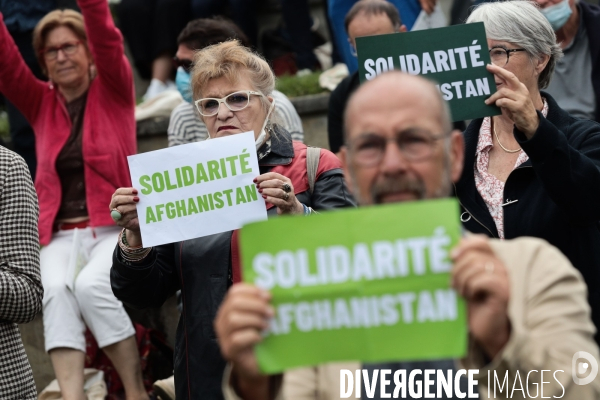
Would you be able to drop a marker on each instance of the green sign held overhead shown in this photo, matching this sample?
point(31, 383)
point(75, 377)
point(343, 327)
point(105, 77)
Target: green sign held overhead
point(369, 284)
point(454, 57)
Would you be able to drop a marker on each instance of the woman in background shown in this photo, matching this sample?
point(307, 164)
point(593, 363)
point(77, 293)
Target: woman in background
point(83, 119)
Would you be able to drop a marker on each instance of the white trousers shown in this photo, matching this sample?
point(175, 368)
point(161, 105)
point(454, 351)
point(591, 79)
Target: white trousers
point(92, 302)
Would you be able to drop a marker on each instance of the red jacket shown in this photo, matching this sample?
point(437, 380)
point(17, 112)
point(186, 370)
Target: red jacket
point(109, 134)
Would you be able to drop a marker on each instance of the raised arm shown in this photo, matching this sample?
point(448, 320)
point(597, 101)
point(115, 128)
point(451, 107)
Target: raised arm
point(106, 44)
point(17, 82)
point(21, 289)
point(568, 169)
point(567, 163)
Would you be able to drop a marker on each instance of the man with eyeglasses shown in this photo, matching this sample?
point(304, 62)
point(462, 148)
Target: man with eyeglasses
point(527, 308)
point(365, 18)
point(184, 125)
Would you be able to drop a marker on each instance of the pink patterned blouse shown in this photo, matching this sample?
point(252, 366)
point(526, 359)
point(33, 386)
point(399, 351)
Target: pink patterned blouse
point(489, 187)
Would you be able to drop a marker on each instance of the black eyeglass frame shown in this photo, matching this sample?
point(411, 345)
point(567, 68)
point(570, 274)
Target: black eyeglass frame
point(185, 64)
point(508, 51)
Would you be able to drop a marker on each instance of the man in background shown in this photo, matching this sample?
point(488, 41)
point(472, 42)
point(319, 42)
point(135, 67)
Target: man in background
point(365, 18)
point(575, 84)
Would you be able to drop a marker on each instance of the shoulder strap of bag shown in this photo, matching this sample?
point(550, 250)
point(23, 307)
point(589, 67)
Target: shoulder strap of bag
point(312, 164)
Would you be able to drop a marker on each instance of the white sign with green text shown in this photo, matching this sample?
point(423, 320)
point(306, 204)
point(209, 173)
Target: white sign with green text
point(197, 189)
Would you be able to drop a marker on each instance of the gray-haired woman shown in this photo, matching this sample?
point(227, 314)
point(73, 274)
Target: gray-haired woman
point(534, 170)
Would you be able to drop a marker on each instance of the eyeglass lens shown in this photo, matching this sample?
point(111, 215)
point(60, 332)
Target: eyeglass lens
point(499, 56)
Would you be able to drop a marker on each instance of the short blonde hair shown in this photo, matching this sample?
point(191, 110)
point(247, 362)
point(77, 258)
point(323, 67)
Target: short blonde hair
point(228, 59)
point(68, 18)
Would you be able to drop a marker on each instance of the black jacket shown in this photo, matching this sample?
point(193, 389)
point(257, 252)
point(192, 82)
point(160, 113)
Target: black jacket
point(201, 268)
point(555, 194)
point(337, 105)
point(590, 14)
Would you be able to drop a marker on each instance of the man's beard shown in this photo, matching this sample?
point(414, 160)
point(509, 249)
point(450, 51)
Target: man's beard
point(401, 183)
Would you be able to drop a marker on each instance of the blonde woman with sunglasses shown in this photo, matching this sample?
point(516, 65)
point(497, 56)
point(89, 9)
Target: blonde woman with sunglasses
point(232, 89)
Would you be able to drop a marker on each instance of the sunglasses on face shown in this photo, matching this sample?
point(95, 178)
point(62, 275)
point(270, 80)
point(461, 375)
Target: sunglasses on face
point(235, 102)
point(185, 64)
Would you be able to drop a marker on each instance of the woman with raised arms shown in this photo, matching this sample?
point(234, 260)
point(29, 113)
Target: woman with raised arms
point(84, 125)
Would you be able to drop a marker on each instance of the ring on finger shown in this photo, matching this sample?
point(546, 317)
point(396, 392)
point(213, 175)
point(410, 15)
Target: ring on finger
point(489, 267)
point(286, 188)
point(115, 214)
point(286, 196)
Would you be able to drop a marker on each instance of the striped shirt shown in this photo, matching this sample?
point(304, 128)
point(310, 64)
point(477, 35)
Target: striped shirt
point(186, 127)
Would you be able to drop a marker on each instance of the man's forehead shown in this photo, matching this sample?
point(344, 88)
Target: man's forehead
point(389, 108)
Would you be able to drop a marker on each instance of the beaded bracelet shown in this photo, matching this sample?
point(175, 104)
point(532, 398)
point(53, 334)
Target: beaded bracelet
point(131, 253)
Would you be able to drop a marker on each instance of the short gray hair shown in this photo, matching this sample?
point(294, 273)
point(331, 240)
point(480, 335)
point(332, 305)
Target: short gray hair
point(520, 22)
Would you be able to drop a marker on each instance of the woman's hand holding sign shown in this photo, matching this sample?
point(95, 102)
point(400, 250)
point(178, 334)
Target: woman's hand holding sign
point(481, 278)
point(124, 201)
point(279, 191)
point(514, 100)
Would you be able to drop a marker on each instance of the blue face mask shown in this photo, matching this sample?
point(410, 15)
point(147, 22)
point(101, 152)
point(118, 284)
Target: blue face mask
point(558, 14)
point(182, 81)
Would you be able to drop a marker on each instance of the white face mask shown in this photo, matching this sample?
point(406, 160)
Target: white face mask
point(261, 138)
point(263, 134)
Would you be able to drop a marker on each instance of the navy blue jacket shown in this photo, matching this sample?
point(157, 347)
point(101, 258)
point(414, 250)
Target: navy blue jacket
point(557, 192)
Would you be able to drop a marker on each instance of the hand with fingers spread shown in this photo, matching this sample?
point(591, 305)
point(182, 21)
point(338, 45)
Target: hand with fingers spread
point(481, 278)
point(514, 100)
point(242, 317)
point(279, 191)
point(123, 209)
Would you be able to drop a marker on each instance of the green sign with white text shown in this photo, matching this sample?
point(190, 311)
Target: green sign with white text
point(454, 57)
point(368, 284)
